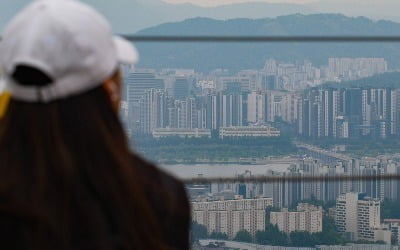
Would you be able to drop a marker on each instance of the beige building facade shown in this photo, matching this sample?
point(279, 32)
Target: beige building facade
point(307, 218)
point(232, 216)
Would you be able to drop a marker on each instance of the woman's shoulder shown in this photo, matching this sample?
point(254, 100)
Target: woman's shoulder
point(169, 200)
point(159, 183)
point(152, 173)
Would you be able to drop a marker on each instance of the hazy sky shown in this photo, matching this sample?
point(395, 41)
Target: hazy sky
point(224, 2)
point(127, 18)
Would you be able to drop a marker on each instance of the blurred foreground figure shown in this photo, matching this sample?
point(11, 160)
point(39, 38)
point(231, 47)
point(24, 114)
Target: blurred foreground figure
point(67, 177)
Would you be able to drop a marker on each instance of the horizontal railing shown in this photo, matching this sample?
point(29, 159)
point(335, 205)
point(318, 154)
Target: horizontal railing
point(263, 39)
point(267, 179)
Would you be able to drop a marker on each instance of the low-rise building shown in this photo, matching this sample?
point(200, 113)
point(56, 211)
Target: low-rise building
point(358, 247)
point(394, 226)
point(249, 131)
point(181, 132)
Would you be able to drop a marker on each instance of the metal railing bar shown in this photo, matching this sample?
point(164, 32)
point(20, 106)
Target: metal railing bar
point(266, 179)
point(270, 39)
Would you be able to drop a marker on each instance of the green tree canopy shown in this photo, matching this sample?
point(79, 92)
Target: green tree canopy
point(243, 236)
point(302, 239)
point(390, 210)
point(198, 231)
point(219, 236)
point(329, 234)
point(271, 236)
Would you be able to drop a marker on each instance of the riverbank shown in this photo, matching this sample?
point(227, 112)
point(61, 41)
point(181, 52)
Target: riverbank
point(193, 151)
point(185, 171)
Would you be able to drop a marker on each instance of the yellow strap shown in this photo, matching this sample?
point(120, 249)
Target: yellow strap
point(4, 101)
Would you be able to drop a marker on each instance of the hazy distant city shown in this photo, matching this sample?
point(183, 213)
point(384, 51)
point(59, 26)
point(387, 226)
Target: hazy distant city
point(287, 119)
point(184, 103)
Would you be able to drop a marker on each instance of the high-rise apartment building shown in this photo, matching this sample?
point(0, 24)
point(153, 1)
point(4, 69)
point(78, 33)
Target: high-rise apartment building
point(353, 68)
point(213, 111)
point(136, 83)
point(232, 110)
point(307, 218)
point(232, 216)
point(140, 80)
point(152, 110)
point(255, 108)
point(358, 218)
point(181, 88)
point(235, 84)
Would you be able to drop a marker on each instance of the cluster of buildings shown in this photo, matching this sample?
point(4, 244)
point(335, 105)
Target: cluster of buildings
point(354, 68)
point(232, 245)
point(151, 108)
point(306, 218)
point(292, 76)
point(357, 209)
point(358, 217)
point(178, 102)
point(357, 212)
point(394, 226)
point(183, 100)
point(290, 188)
point(350, 112)
point(231, 216)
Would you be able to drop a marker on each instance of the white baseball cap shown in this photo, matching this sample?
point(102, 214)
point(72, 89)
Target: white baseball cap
point(67, 40)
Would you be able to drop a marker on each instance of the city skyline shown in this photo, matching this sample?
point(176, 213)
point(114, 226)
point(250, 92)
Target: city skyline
point(354, 207)
point(185, 99)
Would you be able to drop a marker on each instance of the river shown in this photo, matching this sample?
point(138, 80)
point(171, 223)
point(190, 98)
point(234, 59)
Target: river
point(221, 170)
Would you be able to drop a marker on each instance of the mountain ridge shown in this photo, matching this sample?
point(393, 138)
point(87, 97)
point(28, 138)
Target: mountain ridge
point(385, 80)
point(128, 16)
point(287, 19)
point(135, 15)
point(236, 56)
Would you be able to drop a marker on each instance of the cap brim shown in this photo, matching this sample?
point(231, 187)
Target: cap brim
point(126, 52)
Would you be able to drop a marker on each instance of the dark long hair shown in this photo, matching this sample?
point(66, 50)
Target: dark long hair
point(68, 180)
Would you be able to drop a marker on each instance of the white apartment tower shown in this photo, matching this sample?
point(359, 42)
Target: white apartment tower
point(255, 108)
point(358, 218)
